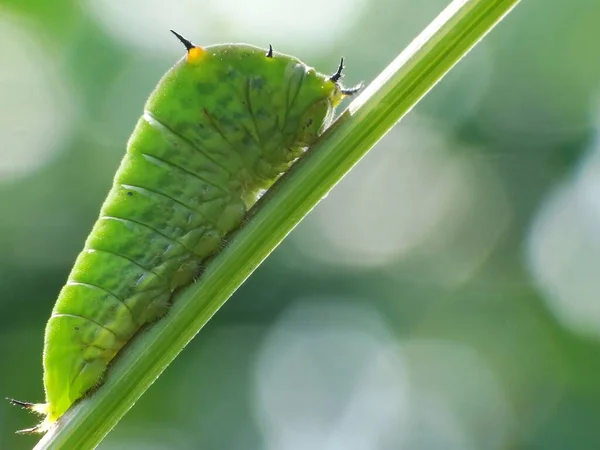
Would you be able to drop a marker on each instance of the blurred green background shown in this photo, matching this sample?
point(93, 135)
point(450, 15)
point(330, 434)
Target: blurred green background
point(446, 295)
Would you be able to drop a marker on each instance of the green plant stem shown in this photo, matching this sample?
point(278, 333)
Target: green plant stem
point(395, 91)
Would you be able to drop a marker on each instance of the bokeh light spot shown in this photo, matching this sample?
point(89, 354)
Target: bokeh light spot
point(564, 248)
point(36, 114)
point(419, 193)
point(330, 377)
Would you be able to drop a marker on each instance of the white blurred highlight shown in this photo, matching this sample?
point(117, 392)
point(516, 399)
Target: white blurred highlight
point(331, 376)
point(145, 24)
point(291, 25)
point(564, 248)
point(36, 114)
point(418, 194)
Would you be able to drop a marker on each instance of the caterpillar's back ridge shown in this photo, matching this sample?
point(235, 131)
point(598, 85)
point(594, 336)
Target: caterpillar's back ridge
point(135, 223)
point(87, 319)
point(115, 254)
point(159, 161)
point(213, 124)
point(248, 103)
point(294, 85)
point(101, 289)
point(155, 194)
point(159, 197)
point(170, 134)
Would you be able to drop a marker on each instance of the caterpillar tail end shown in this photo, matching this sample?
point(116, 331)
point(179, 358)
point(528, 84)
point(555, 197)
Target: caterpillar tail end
point(37, 408)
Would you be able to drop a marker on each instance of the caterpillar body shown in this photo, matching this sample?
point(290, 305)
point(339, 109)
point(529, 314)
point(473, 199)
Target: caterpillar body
point(220, 126)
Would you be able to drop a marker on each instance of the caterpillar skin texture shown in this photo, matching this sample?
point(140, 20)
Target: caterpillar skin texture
point(221, 125)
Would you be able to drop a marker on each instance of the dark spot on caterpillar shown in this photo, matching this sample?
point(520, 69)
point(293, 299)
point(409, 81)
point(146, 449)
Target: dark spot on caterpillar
point(205, 88)
point(76, 328)
point(186, 102)
point(270, 52)
point(257, 83)
point(247, 140)
point(262, 114)
point(308, 123)
point(231, 73)
point(129, 193)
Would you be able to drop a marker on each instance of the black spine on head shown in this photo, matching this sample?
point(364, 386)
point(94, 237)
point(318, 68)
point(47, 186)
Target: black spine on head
point(270, 52)
point(353, 90)
point(338, 75)
point(184, 41)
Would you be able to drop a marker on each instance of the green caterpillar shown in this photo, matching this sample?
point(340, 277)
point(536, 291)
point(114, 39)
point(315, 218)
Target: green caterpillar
point(223, 124)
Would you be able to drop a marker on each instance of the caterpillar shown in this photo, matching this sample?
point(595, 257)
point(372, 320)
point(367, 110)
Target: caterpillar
point(220, 127)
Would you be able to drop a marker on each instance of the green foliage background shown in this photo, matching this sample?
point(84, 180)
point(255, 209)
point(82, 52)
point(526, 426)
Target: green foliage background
point(443, 296)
